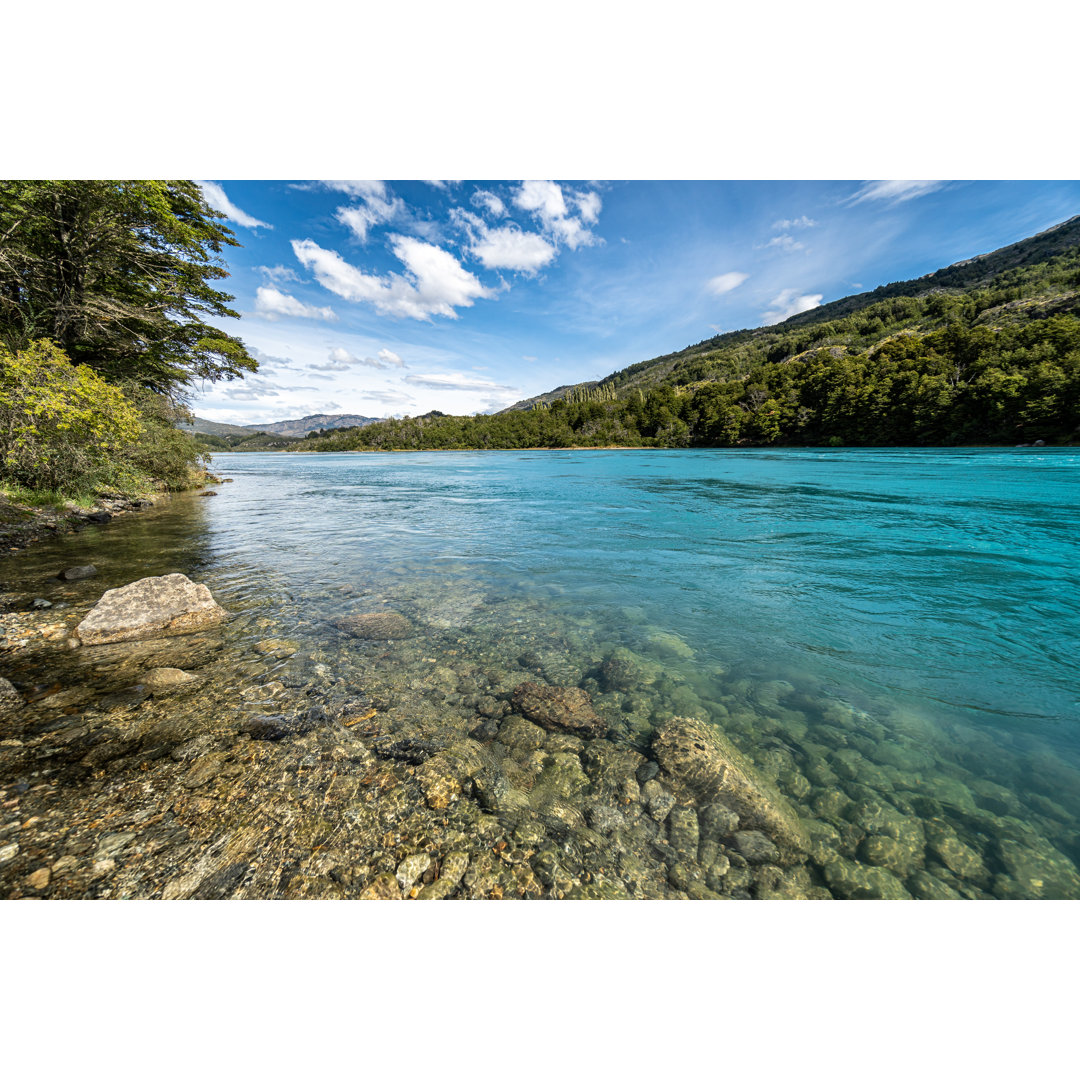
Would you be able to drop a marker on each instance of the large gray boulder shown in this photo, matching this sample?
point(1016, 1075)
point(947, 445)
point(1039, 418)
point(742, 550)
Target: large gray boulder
point(152, 607)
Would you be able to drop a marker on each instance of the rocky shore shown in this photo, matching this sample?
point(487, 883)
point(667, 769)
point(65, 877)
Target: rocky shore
point(359, 750)
point(22, 524)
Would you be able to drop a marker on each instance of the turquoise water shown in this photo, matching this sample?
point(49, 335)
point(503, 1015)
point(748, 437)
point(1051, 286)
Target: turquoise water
point(943, 579)
point(890, 636)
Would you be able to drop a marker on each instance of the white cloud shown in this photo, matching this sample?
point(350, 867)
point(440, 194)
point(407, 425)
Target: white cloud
point(588, 204)
point(541, 197)
point(789, 303)
point(724, 283)
point(361, 189)
point(435, 283)
point(378, 207)
point(785, 242)
point(893, 191)
point(343, 360)
point(271, 302)
point(508, 248)
point(544, 199)
point(794, 223)
point(391, 359)
point(456, 380)
point(215, 195)
point(278, 274)
point(489, 202)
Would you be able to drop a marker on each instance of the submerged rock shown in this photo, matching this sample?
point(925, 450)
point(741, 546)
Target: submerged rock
point(152, 607)
point(558, 707)
point(161, 679)
point(77, 573)
point(376, 626)
point(10, 698)
point(704, 761)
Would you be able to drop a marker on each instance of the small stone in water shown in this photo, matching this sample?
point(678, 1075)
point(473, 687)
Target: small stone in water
point(77, 573)
point(412, 868)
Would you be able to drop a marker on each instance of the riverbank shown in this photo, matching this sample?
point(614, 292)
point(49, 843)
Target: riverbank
point(25, 521)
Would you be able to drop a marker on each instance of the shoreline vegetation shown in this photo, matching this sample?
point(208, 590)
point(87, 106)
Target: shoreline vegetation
point(105, 296)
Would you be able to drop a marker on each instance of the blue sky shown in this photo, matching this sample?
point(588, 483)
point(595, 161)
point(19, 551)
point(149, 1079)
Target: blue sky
point(394, 298)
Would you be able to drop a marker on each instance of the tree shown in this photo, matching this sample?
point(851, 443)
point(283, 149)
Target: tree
point(118, 274)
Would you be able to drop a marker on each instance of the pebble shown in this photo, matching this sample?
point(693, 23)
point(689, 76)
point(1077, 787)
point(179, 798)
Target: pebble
point(410, 869)
point(8, 852)
point(756, 847)
point(64, 864)
point(39, 879)
point(384, 887)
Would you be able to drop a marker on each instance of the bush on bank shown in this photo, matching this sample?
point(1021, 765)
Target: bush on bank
point(64, 429)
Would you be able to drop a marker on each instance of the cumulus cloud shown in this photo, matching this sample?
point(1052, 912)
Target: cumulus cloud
point(342, 360)
point(544, 199)
point(794, 223)
point(271, 303)
point(456, 380)
point(215, 195)
point(361, 189)
point(788, 303)
point(724, 283)
point(434, 283)
point(377, 206)
point(489, 203)
point(508, 248)
point(893, 191)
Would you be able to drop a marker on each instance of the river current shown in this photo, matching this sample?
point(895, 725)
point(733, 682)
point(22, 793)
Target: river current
point(890, 635)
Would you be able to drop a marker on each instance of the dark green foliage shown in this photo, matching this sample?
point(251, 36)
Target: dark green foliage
point(118, 274)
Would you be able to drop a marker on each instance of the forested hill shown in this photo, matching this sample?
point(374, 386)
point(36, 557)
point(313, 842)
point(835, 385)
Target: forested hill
point(984, 351)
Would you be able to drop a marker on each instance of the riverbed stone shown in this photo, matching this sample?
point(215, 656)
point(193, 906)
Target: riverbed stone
point(164, 679)
point(280, 648)
point(151, 607)
point(1035, 868)
point(924, 886)
point(963, 860)
point(705, 762)
point(10, 698)
point(567, 708)
point(376, 626)
point(669, 646)
point(625, 670)
point(854, 881)
point(384, 887)
point(78, 573)
point(755, 846)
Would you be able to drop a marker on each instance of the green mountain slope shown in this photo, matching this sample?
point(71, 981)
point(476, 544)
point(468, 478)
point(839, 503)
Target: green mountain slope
point(984, 351)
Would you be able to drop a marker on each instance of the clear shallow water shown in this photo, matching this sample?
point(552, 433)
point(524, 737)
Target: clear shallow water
point(946, 579)
point(891, 635)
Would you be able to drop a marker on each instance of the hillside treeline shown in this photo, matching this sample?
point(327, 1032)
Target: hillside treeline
point(994, 364)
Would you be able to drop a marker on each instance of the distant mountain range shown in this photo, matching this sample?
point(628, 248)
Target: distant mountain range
point(297, 429)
